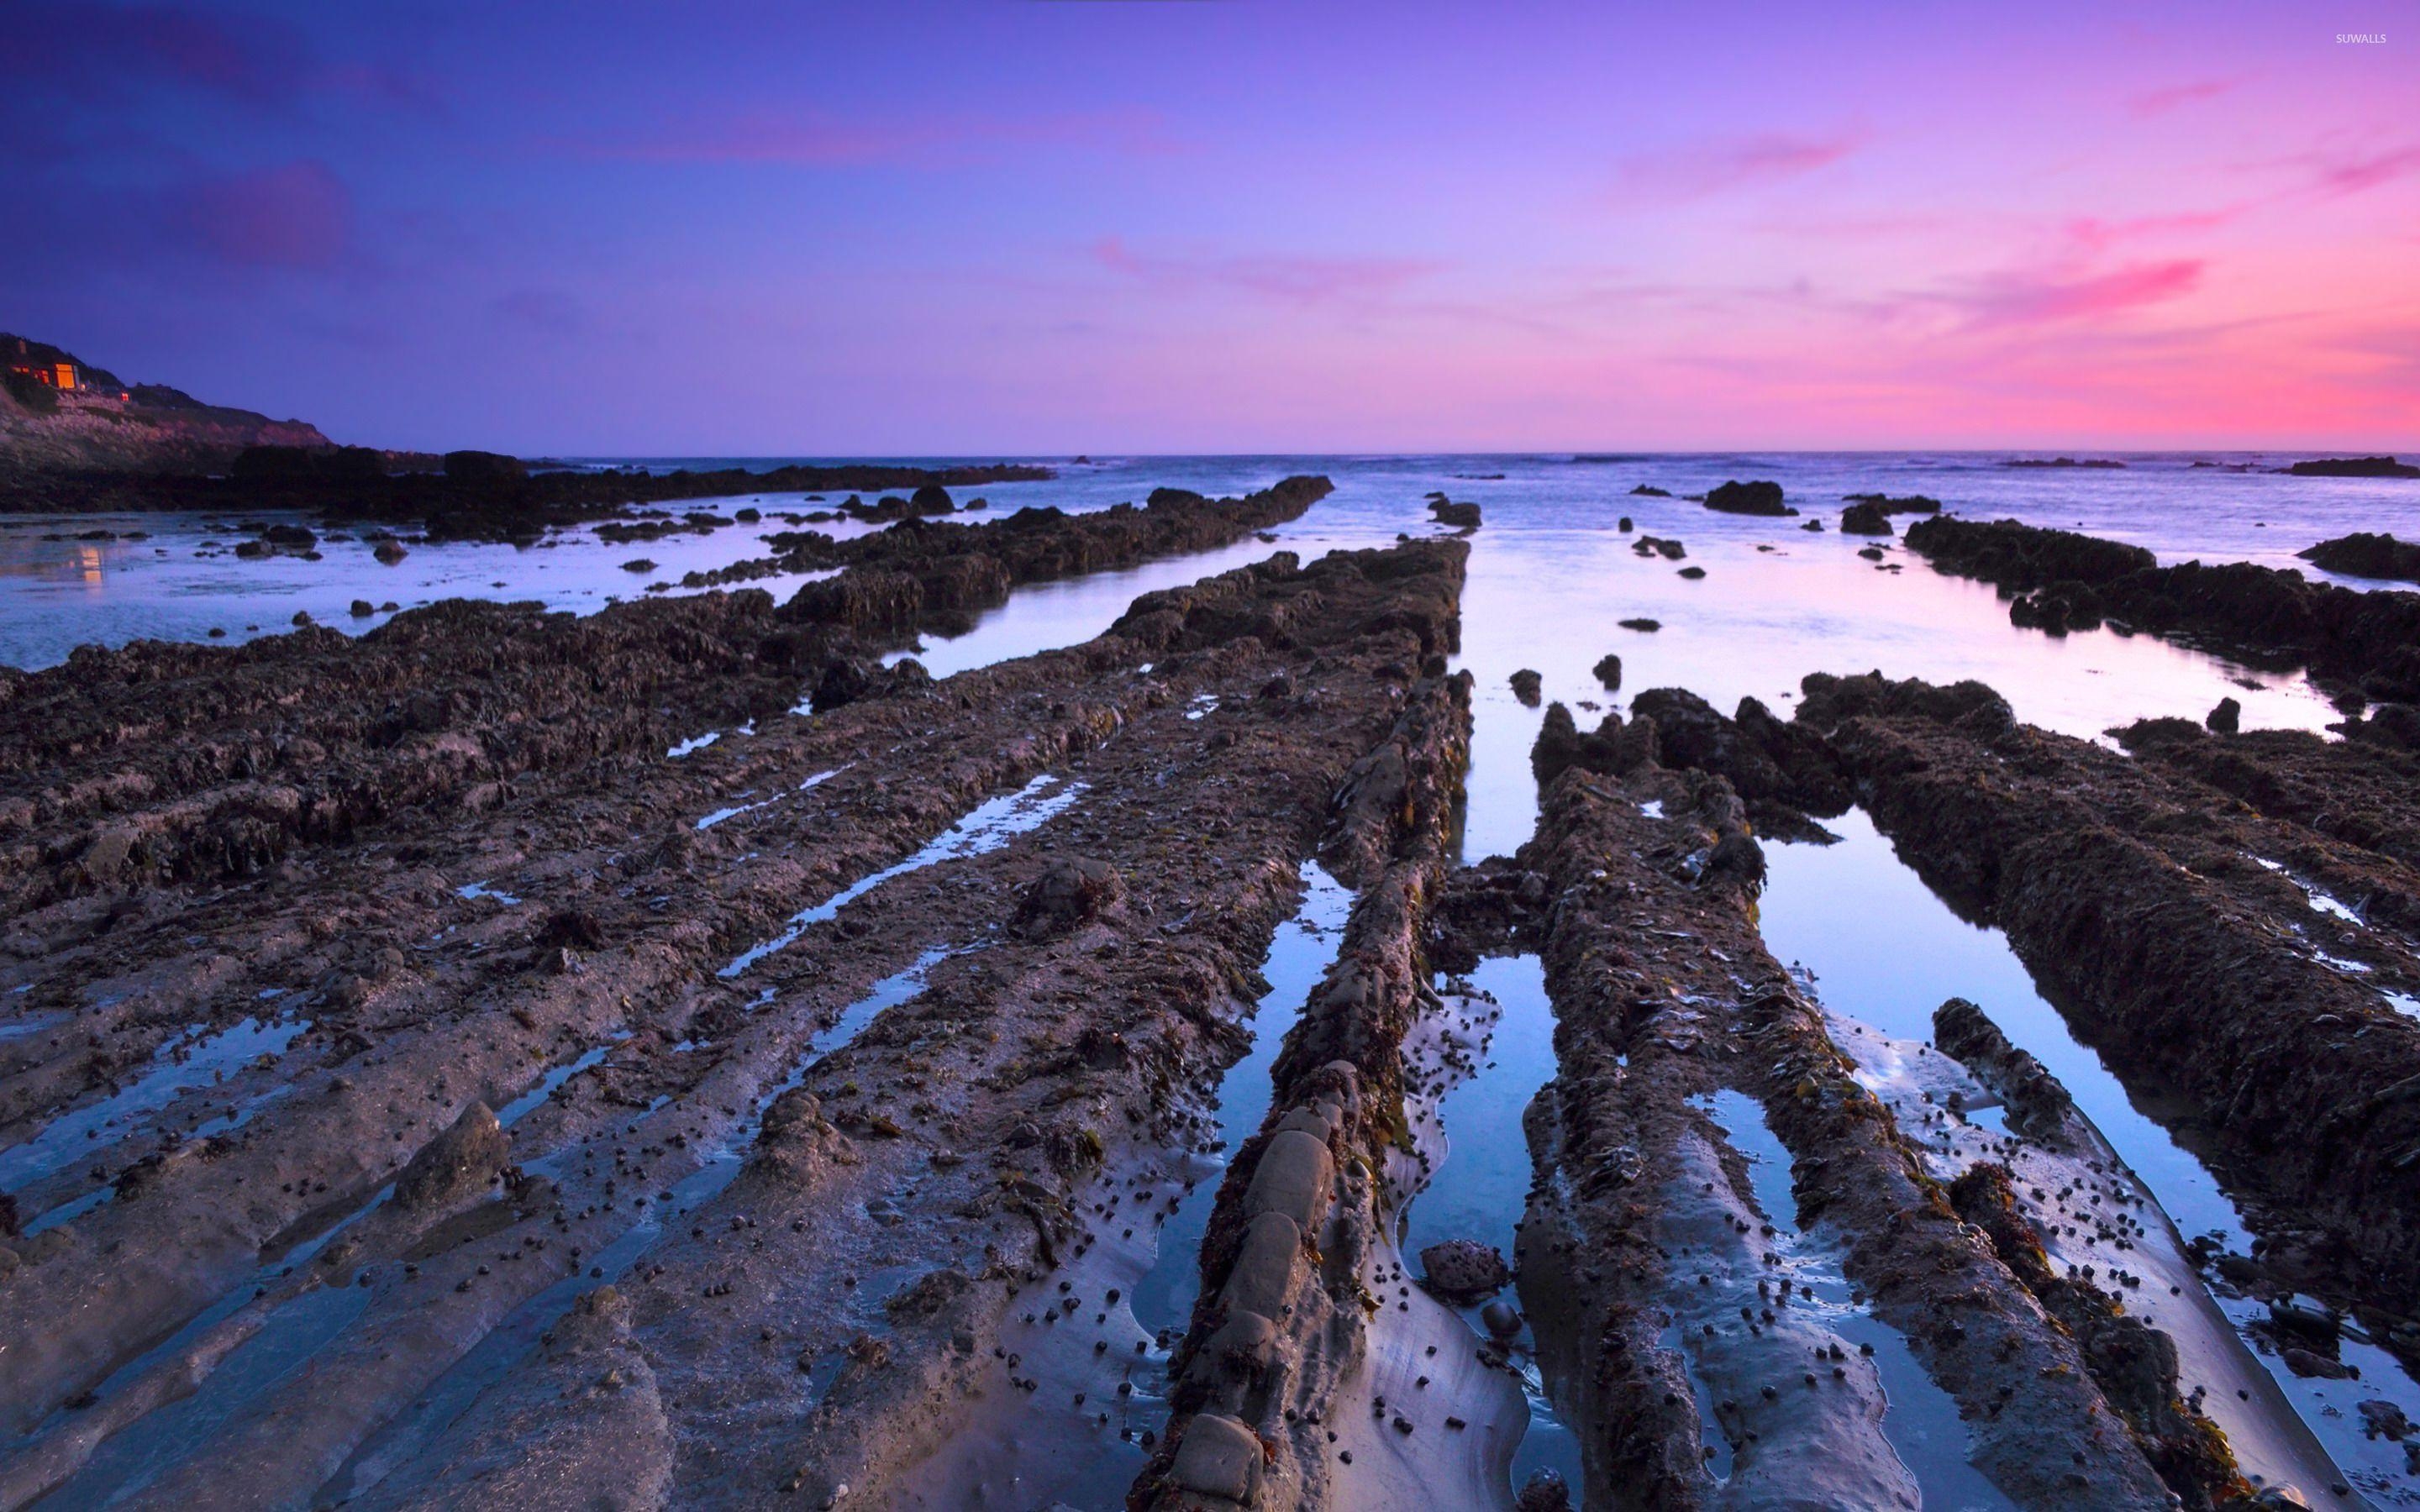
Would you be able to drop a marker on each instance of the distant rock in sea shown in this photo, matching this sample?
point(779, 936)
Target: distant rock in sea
point(2354, 467)
point(1758, 498)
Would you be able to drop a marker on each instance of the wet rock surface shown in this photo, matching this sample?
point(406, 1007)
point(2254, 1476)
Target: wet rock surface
point(2229, 919)
point(2365, 554)
point(815, 1145)
point(2353, 642)
point(161, 764)
point(1464, 1269)
point(1309, 1337)
point(1649, 1257)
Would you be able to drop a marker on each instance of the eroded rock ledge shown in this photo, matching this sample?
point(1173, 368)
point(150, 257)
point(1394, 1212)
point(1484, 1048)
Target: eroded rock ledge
point(1642, 1223)
point(2223, 917)
point(2359, 644)
point(708, 1089)
point(167, 763)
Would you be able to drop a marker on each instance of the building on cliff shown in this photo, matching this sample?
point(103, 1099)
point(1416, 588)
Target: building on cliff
point(40, 368)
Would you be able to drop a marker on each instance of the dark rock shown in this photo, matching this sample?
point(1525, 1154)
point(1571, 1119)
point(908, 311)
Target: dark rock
point(361, 608)
point(1501, 1320)
point(1781, 769)
point(1915, 504)
point(1544, 1491)
point(290, 537)
point(1612, 748)
point(483, 468)
point(1736, 859)
point(1460, 515)
point(1693, 573)
point(1871, 553)
point(1866, 519)
point(2354, 467)
point(638, 565)
point(390, 552)
point(1462, 1271)
point(461, 1163)
point(1526, 686)
point(1608, 672)
point(2227, 718)
point(1758, 498)
point(932, 499)
point(571, 927)
point(1648, 491)
point(2356, 642)
point(2365, 554)
point(1071, 892)
point(1659, 546)
point(1622, 524)
point(1646, 625)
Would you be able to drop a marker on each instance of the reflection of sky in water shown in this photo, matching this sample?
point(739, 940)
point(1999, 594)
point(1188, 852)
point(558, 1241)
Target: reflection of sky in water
point(1556, 564)
point(1888, 952)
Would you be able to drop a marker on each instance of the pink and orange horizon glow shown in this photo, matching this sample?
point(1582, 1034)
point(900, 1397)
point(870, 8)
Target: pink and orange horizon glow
point(1032, 227)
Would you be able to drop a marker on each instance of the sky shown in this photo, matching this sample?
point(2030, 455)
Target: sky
point(1051, 226)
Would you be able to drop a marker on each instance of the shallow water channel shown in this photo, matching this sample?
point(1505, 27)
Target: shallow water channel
point(1881, 948)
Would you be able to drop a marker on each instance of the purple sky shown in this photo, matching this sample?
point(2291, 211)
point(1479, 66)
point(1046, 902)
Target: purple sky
point(1048, 226)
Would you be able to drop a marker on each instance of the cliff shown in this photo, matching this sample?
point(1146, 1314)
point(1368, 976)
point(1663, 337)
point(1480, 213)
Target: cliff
point(145, 427)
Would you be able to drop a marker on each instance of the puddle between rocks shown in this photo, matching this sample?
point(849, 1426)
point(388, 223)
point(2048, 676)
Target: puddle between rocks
point(1078, 1437)
point(1482, 1191)
point(819, 780)
point(1919, 1420)
point(198, 1059)
point(1881, 948)
point(493, 1358)
point(985, 828)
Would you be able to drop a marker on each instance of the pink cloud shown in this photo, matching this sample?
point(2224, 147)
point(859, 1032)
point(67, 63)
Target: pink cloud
point(2351, 174)
point(2047, 296)
point(296, 217)
point(1712, 167)
point(820, 141)
point(1287, 278)
point(2097, 235)
point(2160, 101)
